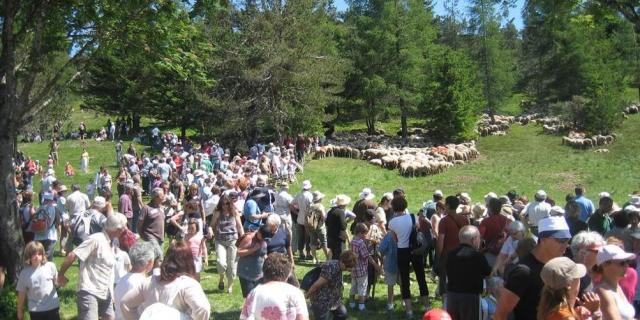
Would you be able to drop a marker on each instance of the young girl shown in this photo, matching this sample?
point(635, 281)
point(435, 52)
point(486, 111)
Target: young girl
point(68, 170)
point(198, 246)
point(38, 282)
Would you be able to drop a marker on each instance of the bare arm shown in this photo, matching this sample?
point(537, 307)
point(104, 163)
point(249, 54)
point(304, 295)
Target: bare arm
point(507, 302)
point(609, 307)
point(239, 227)
point(68, 261)
point(440, 244)
point(317, 285)
point(243, 252)
point(22, 297)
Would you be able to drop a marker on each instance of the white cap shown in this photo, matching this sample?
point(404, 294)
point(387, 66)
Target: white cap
point(490, 195)
point(438, 193)
point(366, 194)
point(541, 194)
point(388, 196)
point(613, 252)
point(631, 208)
point(465, 196)
point(553, 227)
point(99, 202)
point(603, 194)
point(635, 200)
point(306, 185)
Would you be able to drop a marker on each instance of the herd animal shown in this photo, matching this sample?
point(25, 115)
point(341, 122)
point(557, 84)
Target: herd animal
point(498, 125)
point(581, 141)
point(409, 161)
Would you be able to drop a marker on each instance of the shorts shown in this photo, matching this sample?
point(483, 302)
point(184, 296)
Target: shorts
point(316, 237)
point(197, 262)
point(391, 279)
point(359, 286)
point(91, 307)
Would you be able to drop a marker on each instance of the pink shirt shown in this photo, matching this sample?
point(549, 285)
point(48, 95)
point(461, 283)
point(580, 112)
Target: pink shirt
point(195, 243)
point(628, 284)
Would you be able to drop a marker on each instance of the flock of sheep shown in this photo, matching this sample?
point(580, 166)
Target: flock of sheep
point(409, 161)
point(581, 141)
point(494, 127)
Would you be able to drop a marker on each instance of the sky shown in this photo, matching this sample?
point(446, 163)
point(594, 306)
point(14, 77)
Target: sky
point(439, 10)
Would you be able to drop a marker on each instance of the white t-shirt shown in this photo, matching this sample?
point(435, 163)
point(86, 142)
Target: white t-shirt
point(274, 300)
point(77, 202)
point(38, 284)
point(401, 226)
point(97, 258)
point(536, 211)
point(126, 283)
point(122, 266)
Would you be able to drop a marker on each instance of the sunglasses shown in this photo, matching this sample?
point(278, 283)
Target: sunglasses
point(562, 241)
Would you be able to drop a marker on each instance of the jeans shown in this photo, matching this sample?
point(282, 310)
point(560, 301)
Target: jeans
point(247, 285)
point(303, 238)
point(405, 258)
point(339, 313)
point(52, 314)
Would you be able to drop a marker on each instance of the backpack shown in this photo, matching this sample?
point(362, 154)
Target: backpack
point(417, 240)
point(315, 217)
point(495, 245)
point(25, 217)
point(85, 225)
point(41, 222)
point(310, 278)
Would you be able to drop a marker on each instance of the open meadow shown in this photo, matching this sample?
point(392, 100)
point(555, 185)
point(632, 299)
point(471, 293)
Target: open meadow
point(524, 160)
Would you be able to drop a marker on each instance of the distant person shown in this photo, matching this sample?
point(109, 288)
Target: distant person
point(537, 210)
point(586, 206)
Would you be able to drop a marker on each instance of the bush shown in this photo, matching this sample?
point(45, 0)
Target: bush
point(8, 303)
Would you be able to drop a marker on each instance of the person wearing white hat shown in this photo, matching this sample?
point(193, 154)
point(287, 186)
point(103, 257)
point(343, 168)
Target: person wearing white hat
point(613, 262)
point(336, 223)
point(537, 210)
point(561, 278)
point(523, 285)
point(301, 204)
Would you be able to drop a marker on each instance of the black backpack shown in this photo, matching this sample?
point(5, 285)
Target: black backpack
point(417, 240)
point(87, 219)
point(310, 278)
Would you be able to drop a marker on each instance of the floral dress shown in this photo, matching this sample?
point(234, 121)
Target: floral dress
point(329, 296)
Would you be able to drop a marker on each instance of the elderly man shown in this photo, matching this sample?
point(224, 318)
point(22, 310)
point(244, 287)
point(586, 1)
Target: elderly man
point(464, 285)
point(523, 285)
point(96, 275)
point(151, 224)
point(141, 256)
point(537, 210)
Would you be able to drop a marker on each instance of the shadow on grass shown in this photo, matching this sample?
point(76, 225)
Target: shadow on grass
point(226, 315)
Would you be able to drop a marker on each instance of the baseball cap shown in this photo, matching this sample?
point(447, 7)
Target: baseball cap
point(554, 227)
point(541, 194)
point(559, 272)
point(613, 252)
point(306, 185)
point(436, 314)
point(438, 193)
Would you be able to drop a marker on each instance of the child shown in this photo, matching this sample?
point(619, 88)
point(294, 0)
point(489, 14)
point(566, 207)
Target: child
point(198, 246)
point(490, 301)
point(38, 282)
point(359, 274)
point(69, 171)
point(389, 251)
point(122, 265)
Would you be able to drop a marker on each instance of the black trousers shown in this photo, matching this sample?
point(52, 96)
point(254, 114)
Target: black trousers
point(336, 248)
point(45, 315)
point(405, 260)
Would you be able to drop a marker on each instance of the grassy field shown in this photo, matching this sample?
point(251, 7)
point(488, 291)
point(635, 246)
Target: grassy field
point(524, 160)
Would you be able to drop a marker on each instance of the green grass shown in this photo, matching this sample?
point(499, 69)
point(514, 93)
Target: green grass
point(512, 105)
point(524, 160)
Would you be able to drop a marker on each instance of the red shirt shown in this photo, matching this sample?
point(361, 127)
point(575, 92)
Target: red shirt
point(491, 226)
point(450, 227)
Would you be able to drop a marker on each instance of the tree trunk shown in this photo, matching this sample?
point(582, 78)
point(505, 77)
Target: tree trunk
point(11, 242)
point(183, 132)
point(136, 124)
point(403, 122)
point(371, 118)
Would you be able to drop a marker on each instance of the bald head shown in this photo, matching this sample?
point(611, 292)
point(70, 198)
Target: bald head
point(469, 235)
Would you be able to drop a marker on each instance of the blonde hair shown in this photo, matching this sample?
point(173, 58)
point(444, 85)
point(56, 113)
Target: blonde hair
point(551, 299)
point(32, 248)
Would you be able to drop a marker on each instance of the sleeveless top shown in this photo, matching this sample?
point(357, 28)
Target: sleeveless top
point(626, 309)
point(226, 228)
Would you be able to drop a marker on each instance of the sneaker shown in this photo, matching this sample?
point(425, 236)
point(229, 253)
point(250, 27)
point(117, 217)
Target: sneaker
point(230, 290)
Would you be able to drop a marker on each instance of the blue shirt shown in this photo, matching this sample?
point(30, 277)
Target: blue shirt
point(389, 251)
point(251, 209)
point(586, 208)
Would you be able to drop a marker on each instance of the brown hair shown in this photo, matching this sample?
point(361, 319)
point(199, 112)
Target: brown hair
point(226, 199)
point(32, 248)
point(276, 267)
point(178, 262)
point(348, 258)
point(552, 298)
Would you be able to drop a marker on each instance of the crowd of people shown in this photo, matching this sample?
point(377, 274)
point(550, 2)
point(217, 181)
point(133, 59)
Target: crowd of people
point(504, 257)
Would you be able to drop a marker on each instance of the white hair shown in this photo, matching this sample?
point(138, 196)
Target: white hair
point(156, 192)
point(585, 239)
point(115, 221)
point(274, 219)
point(468, 234)
point(516, 226)
point(141, 253)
